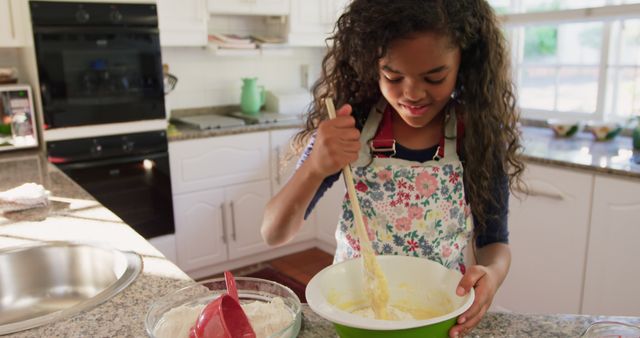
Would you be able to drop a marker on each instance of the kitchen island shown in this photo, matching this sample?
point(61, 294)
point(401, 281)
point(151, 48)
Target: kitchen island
point(494, 324)
point(74, 215)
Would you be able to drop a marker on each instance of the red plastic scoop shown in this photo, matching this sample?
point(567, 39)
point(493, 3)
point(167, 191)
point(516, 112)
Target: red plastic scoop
point(223, 317)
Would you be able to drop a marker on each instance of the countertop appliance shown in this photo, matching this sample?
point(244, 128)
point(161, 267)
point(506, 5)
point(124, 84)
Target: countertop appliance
point(18, 128)
point(267, 117)
point(97, 63)
point(210, 121)
point(129, 174)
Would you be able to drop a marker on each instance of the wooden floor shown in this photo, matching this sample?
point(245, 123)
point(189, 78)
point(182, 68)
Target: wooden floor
point(303, 265)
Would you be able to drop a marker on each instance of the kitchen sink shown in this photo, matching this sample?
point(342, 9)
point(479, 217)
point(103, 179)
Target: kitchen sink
point(48, 282)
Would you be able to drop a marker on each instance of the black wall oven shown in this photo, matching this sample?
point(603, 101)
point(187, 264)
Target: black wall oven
point(129, 174)
point(97, 62)
point(100, 71)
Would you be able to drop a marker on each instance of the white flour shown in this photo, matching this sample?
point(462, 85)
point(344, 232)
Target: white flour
point(265, 318)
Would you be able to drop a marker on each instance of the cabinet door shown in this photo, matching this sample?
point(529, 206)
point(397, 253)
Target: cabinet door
point(328, 212)
point(246, 204)
point(271, 7)
point(548, 239)
point(230, 6)
point(200, 232)
point(249, 7)
point(613, 271)
point(182, 23)
point(201, 164)
point(13, 23)
point(313, 20)
point(282, 167)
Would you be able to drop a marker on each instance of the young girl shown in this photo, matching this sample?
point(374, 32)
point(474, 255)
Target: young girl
point(428, 123)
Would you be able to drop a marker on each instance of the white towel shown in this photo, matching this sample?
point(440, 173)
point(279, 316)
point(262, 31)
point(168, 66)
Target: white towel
point(26, 196)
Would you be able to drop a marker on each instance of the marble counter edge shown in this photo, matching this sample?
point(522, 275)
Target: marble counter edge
point(584, 167)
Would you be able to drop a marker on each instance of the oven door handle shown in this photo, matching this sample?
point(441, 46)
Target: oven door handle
point(118, 160)
point(106, 30)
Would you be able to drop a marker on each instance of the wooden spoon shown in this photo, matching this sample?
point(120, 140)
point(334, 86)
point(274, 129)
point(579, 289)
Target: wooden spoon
point(374, 280)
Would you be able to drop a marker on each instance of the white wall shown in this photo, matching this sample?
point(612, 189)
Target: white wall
point(9, 58)
point(205, 79)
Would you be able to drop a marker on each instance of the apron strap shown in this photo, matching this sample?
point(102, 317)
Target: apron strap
point(448, 143)
point(384, 144)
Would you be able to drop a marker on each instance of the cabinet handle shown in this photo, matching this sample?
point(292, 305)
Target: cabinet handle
point(233, 222)
point(11, 22)
point(224, 226)
point(203, 10)
point(539, 193)
point(278, 161)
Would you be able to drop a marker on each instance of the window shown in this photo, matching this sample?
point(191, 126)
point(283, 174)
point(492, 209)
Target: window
point(573, 62)
point(623, 75)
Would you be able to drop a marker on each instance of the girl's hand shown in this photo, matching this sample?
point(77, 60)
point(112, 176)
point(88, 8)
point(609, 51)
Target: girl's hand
point(337, 144)
point(485, 284)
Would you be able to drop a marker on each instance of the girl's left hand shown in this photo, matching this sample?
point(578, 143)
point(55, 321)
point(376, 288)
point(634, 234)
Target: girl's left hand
point(485, 284)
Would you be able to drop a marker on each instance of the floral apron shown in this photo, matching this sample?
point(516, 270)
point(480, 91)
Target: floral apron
point(409, 208)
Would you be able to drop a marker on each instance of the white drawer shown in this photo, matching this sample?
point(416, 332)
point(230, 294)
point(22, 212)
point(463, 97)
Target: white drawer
point(205, 163)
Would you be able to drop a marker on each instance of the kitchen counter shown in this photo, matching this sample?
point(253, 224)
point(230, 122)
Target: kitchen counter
point(180, 131)
point(74, 215)
point(615, 157)
point(494, 324)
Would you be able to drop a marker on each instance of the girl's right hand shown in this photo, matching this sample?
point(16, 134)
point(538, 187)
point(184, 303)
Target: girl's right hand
point(337, 143)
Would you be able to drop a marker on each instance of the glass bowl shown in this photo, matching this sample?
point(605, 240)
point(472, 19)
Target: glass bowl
point(611, 329)
point(249, 290)
point(565, 128)
point(604, 131)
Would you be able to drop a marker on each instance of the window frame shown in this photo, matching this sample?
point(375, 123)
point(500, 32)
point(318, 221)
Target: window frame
point(513, 24)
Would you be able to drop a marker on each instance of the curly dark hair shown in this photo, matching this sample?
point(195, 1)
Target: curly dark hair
point(484, 89)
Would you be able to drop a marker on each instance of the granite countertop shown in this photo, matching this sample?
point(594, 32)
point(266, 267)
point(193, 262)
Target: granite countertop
point(73, 215)
point(615, 157)
point(179, 131)
point(494, 324)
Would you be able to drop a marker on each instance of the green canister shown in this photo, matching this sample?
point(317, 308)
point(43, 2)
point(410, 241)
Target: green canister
point(252, 96)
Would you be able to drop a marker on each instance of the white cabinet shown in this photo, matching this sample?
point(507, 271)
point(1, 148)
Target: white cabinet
point(328, 212)
point(249, 7)
point(282, 167)
point(548, 240)
point(311, 21)
point(200, 234)
point(205, 163)
point(220, 188)
point(13, 23)
point(217, 225)
point(613, 271)
point(182, 22)
point(246, 204)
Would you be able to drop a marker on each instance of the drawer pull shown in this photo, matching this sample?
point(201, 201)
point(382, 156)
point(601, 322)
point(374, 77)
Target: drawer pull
point(278, 161)
point(540, 193)
point(233, 222)
point(224, 226)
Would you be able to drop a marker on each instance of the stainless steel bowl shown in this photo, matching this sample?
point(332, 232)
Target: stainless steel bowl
point(43, 283)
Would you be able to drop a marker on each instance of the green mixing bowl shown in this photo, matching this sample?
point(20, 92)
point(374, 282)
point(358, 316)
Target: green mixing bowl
point(413, 282)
